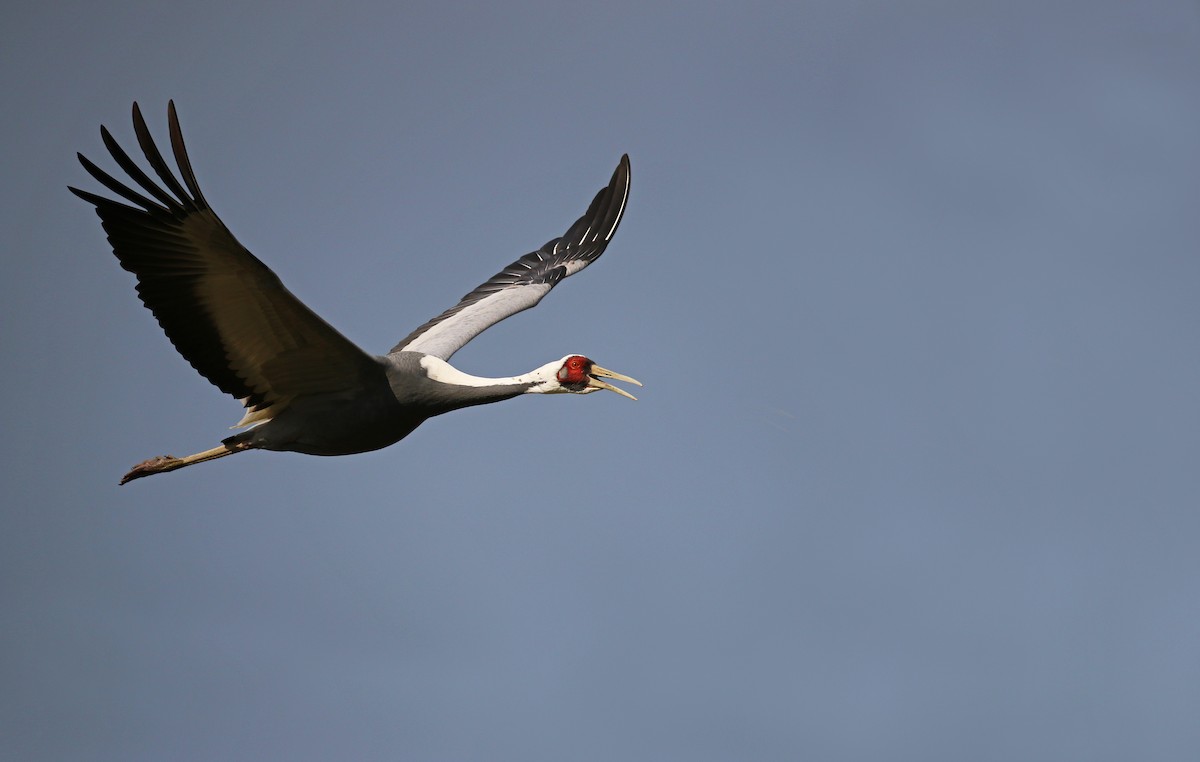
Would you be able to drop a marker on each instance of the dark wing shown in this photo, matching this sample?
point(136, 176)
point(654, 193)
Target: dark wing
point(223, 309)
point(522, 284)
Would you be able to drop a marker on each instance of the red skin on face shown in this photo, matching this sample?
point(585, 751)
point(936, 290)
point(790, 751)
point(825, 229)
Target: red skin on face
point(574, 370)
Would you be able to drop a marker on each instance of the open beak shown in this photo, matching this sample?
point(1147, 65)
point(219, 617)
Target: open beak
point(597, 372)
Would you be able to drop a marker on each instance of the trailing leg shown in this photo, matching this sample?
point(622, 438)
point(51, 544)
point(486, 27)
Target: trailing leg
point(164, 463)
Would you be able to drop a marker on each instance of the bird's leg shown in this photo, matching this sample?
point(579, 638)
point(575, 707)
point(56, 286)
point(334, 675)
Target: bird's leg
point(164, 463)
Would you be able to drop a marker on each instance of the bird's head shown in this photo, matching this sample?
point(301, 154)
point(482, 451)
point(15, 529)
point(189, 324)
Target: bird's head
point(576, 374)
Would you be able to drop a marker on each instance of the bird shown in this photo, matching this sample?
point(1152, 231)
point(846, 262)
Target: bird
point(304, 386)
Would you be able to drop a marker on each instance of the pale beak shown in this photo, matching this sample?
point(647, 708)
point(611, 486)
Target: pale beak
point(596, 383)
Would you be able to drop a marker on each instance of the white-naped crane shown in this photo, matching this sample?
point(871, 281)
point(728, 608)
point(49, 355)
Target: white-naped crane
point(305, 387)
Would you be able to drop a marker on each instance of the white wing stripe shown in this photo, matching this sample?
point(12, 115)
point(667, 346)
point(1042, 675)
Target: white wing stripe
point(471, 320)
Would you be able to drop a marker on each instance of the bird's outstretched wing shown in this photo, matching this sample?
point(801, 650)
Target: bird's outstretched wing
point(522, 284)
point(222, 308)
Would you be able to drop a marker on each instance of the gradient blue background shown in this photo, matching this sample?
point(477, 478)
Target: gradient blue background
point(913, 291)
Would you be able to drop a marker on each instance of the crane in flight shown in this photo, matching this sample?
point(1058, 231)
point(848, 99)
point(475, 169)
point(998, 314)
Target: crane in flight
point(304, 386)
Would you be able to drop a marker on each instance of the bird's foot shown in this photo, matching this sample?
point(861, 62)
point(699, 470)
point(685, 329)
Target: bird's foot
point(152, 466)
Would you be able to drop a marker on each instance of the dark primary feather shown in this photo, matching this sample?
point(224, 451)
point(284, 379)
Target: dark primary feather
point(581, 245)
point(225, 311)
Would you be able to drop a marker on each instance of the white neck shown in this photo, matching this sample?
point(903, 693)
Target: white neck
point(543, 379)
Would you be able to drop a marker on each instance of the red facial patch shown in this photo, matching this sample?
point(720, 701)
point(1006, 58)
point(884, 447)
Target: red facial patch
point(574, 370)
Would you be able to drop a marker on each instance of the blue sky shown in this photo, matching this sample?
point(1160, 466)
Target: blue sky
point(911, 287)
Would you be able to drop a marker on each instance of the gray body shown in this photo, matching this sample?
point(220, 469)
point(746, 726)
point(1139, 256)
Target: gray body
point(372, 416)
